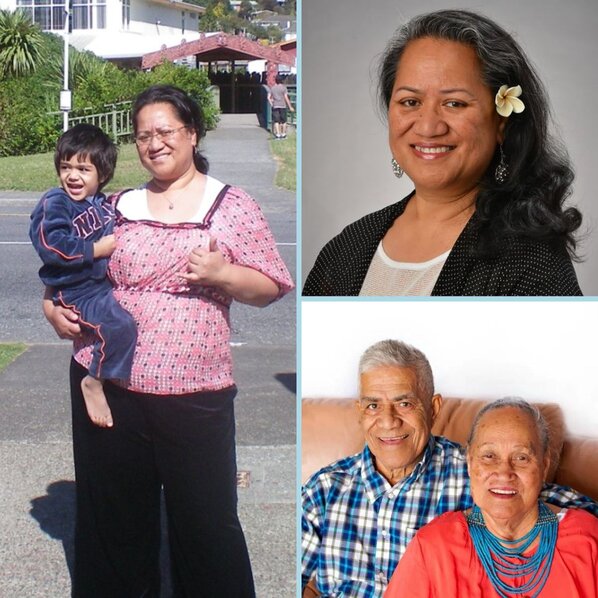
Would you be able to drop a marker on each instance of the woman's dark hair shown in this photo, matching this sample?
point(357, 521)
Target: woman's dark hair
point(530, 202)
point(88, 141)
point(187, 109)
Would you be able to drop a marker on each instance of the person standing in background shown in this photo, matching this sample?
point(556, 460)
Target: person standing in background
point(278, 98)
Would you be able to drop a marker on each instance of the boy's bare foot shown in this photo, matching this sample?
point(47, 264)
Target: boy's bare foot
point(95, 401)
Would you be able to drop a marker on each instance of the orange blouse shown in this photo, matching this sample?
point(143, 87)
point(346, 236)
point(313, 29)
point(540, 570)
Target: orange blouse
point(441, 561)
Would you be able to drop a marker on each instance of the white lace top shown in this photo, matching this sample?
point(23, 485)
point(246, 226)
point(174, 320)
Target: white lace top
point(385, 276)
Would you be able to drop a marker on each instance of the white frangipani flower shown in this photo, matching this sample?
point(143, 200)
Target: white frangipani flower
point(507, 100)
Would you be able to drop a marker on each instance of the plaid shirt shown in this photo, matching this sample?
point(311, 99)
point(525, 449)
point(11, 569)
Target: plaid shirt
point(356, 526)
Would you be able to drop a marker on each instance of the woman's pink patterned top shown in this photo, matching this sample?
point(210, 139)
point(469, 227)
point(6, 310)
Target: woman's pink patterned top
point(183, 341)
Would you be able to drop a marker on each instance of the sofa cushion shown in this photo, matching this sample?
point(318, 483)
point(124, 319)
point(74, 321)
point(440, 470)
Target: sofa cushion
point(329, 431)
point(579, 465)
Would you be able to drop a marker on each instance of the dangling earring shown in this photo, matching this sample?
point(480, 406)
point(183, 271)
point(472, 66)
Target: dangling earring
point(397, 170)
point(502, 170)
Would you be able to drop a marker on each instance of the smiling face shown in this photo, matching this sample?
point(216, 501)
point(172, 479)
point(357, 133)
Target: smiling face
point(507, 467)
point(78, 177)
point(169, 157)
point(443, 124)
point(395, 420)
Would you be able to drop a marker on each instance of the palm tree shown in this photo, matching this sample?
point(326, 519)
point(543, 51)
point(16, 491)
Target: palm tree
point(20, 42)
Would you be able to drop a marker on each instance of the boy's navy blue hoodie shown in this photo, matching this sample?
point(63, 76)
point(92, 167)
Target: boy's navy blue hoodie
point(63, 232)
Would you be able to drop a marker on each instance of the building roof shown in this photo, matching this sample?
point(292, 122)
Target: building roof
point(200, 10)
point(220, 46)
point(289, 45)
point(286, 44)
point(112, 45)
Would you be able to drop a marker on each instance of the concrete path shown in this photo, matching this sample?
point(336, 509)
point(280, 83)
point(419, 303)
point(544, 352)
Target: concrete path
point(37, 490)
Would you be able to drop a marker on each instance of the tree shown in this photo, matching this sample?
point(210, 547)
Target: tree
point(245, 9)
point(208, 22)
point(290, 7)
point(218, 17)
point(268, 4)
point(274, 34)
point(20, 42)
point(29, 118)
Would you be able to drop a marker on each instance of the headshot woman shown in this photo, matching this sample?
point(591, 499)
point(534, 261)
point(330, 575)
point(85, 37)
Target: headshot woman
point(468, 123)
point(510, 543)
point(187, 245)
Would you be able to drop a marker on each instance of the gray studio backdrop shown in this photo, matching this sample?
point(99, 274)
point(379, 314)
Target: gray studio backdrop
point(345, 157)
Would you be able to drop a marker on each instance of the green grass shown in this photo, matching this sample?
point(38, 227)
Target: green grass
point(9, 352)
point(36, 172)
point(285, 154)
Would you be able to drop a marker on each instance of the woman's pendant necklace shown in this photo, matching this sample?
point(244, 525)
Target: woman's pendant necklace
point(176, 195)
point(172, 201)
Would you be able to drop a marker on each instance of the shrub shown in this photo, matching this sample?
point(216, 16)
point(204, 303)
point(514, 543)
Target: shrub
point(27, 102)
point(195, 82)
point(25, 125)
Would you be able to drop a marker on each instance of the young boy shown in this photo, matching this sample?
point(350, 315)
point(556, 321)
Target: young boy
point(71, 229)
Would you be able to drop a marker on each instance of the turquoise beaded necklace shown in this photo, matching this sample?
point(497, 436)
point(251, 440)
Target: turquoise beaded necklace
point(494, 553)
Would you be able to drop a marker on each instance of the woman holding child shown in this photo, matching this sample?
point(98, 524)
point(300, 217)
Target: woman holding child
point(186, 247)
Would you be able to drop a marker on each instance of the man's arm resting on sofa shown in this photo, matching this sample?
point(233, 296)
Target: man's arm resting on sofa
point(568, 498)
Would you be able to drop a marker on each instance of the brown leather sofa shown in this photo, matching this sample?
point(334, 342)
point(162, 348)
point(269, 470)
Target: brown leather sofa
point(330, 430)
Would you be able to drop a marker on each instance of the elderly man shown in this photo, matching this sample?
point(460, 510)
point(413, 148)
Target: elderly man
point(360, 513)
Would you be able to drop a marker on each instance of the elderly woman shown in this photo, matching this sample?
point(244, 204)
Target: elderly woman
point(510, 543)
point(467, 119)
point(187, 245)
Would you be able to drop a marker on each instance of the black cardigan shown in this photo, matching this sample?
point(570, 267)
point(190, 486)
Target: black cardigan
point(523, 267)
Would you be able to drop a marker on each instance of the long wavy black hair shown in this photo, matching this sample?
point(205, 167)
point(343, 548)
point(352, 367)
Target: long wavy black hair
point(530, 203)
point(186, 108)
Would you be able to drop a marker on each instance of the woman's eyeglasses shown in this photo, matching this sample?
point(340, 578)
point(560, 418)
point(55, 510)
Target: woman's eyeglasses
point(163, 135)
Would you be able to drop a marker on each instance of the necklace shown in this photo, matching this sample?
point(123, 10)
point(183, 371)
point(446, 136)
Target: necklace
point(175, 197)
point(171, 201)
point(497, 555)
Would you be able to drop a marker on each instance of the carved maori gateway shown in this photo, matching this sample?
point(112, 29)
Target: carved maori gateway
point(222, 47)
